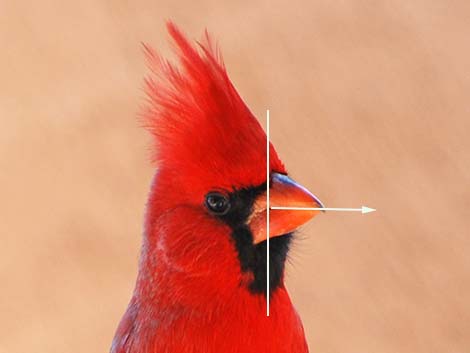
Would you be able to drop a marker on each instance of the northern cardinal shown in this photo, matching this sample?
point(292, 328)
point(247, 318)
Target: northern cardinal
point(201, 286)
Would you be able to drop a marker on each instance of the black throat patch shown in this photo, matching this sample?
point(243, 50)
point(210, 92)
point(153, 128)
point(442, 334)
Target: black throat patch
point(253, 257)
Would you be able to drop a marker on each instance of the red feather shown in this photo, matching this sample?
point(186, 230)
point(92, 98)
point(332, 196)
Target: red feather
point(189, 295)
point(203, 129)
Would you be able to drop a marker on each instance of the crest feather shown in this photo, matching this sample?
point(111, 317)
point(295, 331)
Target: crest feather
point(201, 125)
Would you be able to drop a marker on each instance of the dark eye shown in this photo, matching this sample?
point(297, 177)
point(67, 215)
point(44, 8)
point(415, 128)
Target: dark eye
point(217, 203)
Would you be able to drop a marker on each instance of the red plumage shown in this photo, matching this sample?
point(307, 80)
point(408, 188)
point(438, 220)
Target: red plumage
point(191, 294)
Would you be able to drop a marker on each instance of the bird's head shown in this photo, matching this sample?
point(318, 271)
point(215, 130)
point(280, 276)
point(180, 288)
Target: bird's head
point(206, 218)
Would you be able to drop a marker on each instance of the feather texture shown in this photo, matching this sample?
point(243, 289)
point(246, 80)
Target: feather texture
point(191, 294)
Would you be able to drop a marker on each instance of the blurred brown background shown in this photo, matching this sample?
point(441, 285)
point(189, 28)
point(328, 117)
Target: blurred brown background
point(370, 104)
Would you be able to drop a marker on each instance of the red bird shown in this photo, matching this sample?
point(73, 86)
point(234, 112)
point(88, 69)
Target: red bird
point(201, 285)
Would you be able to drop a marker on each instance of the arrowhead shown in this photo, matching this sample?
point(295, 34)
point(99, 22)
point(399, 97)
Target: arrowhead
point(367, 209)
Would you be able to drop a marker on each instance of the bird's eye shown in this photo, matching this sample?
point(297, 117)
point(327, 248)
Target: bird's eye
point(217, 203)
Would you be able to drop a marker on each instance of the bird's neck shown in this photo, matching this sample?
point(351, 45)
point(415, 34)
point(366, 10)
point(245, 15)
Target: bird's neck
point(173, 312)
point(239, 325)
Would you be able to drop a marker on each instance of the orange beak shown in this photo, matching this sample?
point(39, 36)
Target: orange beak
point(287, 193)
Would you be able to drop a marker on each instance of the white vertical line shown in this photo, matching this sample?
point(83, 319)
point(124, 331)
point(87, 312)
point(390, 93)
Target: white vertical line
point(268, 170)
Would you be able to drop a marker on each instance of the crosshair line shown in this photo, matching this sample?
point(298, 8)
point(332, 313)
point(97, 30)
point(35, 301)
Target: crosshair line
point(363, 209)
point(268, 173)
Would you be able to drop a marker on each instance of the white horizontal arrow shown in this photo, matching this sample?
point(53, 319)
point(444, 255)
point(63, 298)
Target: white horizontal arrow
point(363, 209)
